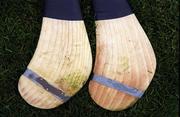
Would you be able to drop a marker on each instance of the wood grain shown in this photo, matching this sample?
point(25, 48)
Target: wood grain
point(63, 58)
point(123, 54)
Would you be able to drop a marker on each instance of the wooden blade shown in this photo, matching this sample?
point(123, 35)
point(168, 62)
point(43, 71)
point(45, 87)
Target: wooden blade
point(124, 55)
point(62, 61)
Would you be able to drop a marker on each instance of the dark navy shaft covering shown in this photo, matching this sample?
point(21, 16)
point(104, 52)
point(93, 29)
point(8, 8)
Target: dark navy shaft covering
point(109, 9)
point(62, 9)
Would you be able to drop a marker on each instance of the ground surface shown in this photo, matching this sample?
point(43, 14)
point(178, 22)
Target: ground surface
point(20, 23)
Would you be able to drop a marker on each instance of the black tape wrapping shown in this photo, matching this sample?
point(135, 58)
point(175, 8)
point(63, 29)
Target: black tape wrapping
point(110, 9)
point(62, 9)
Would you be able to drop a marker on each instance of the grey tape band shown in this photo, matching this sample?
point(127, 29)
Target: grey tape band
point(118, 86)
point(43, 83)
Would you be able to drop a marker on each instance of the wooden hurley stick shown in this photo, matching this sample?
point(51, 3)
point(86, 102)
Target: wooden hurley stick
point(62, 61)
point(125, 60)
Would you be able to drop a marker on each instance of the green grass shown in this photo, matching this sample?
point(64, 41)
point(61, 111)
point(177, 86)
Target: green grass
point(20, 24)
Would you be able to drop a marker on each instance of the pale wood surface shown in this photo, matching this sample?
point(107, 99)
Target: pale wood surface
point(63, 58)
point(124, 54)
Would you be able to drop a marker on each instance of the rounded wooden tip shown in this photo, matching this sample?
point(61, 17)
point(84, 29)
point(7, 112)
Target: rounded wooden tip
point(110, 99)
point(36, 96)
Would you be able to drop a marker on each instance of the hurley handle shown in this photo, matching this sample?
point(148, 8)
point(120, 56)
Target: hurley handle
point(109, 9)
point(62, 9)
